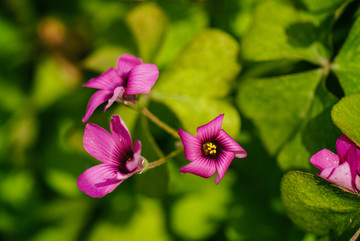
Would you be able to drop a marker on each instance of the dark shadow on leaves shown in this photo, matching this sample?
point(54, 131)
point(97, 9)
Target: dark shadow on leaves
point(301, 34)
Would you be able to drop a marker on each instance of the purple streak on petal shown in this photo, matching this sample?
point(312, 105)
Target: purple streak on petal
point(324, 159)
point(136, 163)
point(203, 167)
point(100, 180)
point(120, 132)
point(96, 99)
point(210, 130)
point(106, 81)
point(343, 145)
point(192, 145)
point(222, 164)
point(354, 164)
point(117, 94)
point(141, 79)
point(340, 176)
point(100, 144)
point(125, 63)
point(229, 144)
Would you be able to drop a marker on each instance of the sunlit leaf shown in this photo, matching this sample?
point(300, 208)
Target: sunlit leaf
point(280, 31)
point(346, 116)
point(200, 76)
point(278, 105)
point(347, 62)
point(148, 24)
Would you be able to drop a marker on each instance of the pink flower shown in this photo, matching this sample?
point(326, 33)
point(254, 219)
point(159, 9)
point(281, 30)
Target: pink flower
point(213, 149)
point(119, 160)
point(342, 169)
point(131, 77)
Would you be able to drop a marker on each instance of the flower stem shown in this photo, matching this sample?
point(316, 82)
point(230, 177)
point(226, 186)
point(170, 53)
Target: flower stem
point(164, 159)
point(356, 235)
point(161, 124)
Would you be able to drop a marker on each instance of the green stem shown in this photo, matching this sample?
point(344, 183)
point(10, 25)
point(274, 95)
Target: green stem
point(164, 159)
point(356, 235)
point(161, 124)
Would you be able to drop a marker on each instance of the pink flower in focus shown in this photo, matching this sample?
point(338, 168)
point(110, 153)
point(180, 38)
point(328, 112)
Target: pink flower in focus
point(212, 150)
point(119, 160)
point(342, 169)
point(131, 77)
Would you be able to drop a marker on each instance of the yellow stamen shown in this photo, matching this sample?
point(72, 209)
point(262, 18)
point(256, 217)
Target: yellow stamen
point(209, 148)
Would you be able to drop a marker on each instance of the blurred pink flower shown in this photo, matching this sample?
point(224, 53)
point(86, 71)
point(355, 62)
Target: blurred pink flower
point(131, 77)
point(213, 149)
point(342, 169)
point(119, 160)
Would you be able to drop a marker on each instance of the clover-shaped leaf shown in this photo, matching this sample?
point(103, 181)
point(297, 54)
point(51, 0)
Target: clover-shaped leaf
point(200, 76)
point(280, 31)
point(347, 62)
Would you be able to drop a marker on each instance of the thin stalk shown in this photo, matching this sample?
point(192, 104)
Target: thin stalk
point(164, 159)
point(158, 122)
point(356, 235)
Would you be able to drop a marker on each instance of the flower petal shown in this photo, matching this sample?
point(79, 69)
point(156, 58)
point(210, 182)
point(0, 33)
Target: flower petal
point(117, 94)
point(125, 63)
point(210, 130)
point(136, 163)
point(343, 145)
point(229, 144)
point(192, 145)
point(96, 99)
point(203, 167)
point(222, 164)
point(324, 159)
point(100, 144)
point(99, 180)
point(353, 157)
point(106, 81)
point(141, 79)
point(340, 176)
point(120, 132)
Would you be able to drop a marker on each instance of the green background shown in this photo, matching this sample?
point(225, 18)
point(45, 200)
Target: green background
point(286, 74)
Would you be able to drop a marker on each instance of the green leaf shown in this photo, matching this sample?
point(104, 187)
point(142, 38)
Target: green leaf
point(346, 116)
point(317, 132)
point(148, 24)
point(320, 6)
point(280, 31)
point(347, 62)
point(52, 81)
point(318, 206)
point(194, 85)
point(278, 105)
point(206, 203)
point(104, 57)
point(147, 223)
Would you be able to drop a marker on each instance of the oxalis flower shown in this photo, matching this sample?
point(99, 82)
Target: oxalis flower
point(342, 169)
point(119, 160)
point(212, 150)
point(131, 77)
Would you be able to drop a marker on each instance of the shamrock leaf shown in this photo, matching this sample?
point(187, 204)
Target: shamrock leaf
point(194, 84)
point(280, 31)
point(347, 62)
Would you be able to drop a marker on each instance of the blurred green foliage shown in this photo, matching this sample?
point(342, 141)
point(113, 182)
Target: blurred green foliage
point(282, 65)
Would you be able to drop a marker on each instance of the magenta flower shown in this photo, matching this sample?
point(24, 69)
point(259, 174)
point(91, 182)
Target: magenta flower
point(342, 169)
point(131, 77)
point(213, 149)
point(119, 160)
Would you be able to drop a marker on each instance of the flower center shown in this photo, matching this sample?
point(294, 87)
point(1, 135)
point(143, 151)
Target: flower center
point(209, 148)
